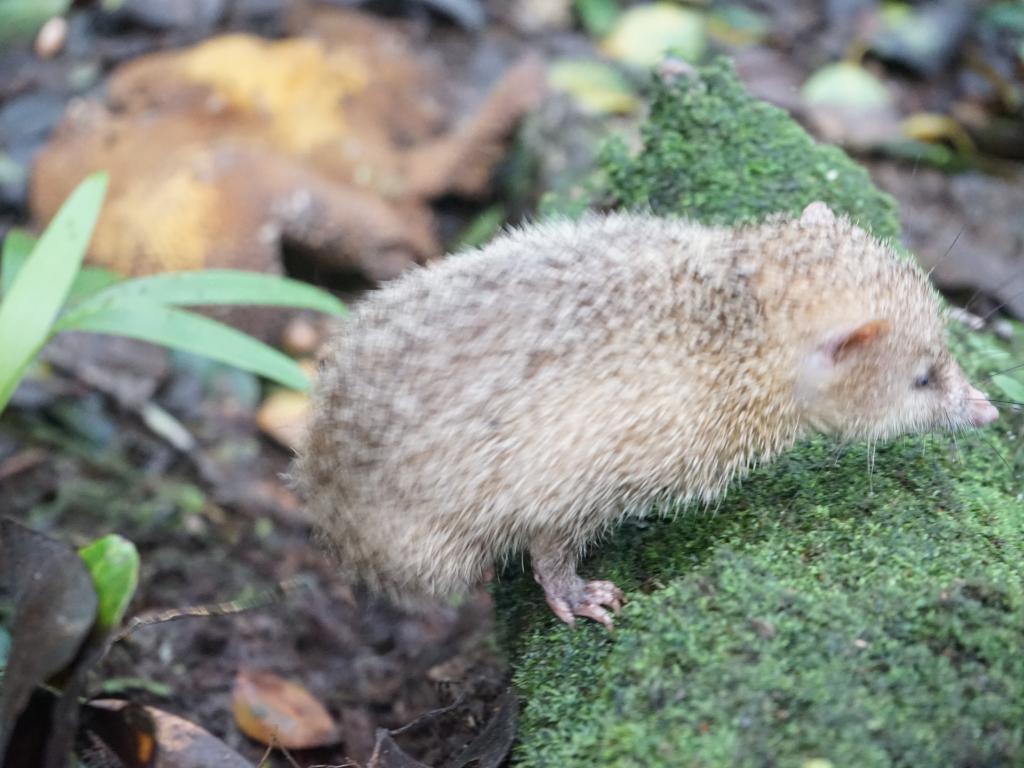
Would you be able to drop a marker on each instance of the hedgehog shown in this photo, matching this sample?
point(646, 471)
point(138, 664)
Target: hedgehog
point(529, 395)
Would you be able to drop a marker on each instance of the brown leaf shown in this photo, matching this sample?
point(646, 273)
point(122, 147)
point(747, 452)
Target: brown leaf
point(179, 743)
point(124, 729)
point(275, 711)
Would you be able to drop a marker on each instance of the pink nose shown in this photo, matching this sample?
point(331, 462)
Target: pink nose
point(981, 411)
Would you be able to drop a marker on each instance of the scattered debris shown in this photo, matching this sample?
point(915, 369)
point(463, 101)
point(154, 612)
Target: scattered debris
point(491, 747)
point(201, 493)
point(924, 38)
point(488, 750)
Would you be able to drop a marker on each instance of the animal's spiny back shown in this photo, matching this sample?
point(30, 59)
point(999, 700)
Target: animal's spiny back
point(541, 385)
point(547, 302)
point(558, 288)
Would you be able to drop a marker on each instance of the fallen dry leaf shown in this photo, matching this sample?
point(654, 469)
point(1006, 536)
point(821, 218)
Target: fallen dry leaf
point(275, 711)
point(488, 749)
point(179, 742)
point(126, 729)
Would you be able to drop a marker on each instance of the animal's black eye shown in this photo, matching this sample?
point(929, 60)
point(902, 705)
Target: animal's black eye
point(925, 380)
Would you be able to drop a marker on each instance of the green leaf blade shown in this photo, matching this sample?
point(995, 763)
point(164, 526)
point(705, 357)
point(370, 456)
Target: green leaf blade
point(40, 287)
point(90, 281)
point(1010, 387)
point(222, 287)
point(187, 331)
point(113, 563)
point(18, 247)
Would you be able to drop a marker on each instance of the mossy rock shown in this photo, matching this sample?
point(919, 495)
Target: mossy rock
point(862, 609)
point(714, 154)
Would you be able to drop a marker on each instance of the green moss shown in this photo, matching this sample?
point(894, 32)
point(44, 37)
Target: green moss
point(713, 153)
point(824, 611)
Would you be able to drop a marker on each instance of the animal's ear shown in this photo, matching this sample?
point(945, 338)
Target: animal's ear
point(821, 368)
point(861, 338)
point(817, 214)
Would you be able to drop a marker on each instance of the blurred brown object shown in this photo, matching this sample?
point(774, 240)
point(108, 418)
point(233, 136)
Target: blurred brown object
point(332, 142)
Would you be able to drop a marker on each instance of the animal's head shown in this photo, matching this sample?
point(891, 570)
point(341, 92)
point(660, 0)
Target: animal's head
point(878, 364)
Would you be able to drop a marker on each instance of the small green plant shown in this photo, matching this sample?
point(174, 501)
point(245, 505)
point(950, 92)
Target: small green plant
point(44, 290)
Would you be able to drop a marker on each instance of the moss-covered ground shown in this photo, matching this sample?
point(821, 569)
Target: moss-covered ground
point(829, 612)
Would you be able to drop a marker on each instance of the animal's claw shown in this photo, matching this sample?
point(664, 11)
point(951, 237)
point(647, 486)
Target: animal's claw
point(567, 594)
point(561, 609)
point(586, 598)
point(597, 613)
point(605, 593)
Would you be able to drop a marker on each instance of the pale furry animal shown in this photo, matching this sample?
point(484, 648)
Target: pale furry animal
point(527, 395)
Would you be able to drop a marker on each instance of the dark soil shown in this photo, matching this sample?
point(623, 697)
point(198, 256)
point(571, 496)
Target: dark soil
point(369, 663)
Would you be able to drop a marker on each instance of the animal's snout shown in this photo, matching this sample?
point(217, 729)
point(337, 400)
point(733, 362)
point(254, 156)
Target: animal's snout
point(979, 409)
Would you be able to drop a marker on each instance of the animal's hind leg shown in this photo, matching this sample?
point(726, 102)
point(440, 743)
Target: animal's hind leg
point(568, 595)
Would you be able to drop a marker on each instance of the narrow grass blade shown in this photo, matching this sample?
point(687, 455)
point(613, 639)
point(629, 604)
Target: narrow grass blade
point(221, 286)
point(89, 281)
point(40, 287)
point(179, 329)
point(18, 245)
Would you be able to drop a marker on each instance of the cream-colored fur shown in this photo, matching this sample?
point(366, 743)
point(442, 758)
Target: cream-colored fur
point(570, 373)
